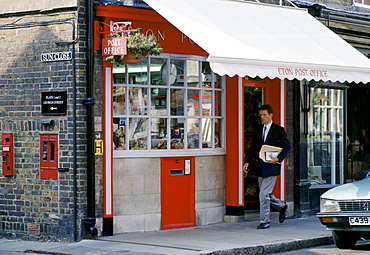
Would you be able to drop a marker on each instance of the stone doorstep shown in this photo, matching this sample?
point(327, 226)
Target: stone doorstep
point(253, 215)
point(248, 216)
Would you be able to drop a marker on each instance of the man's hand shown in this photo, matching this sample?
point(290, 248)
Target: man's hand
point(274, 160)
point(245, 167)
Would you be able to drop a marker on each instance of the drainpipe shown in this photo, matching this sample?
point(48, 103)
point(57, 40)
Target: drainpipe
point(73, 42)
point(75, 232)
point(89, 102)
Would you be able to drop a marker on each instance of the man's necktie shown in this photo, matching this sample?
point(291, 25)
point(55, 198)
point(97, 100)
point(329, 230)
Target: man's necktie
point(264, 134)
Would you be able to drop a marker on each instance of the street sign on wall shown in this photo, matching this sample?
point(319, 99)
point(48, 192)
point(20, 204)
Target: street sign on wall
point(56, 56)
point(54, 102)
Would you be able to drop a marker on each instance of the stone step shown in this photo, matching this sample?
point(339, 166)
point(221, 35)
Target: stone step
point(248, 216)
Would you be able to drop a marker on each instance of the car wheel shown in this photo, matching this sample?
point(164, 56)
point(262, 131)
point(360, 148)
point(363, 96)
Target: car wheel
point(345, 239)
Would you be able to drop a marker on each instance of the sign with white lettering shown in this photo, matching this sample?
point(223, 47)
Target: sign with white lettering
point(54, 102)
point(56, 56)
point(114, 46)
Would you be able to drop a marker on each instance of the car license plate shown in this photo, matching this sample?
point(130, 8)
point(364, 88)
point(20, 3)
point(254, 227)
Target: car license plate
point(359, 220)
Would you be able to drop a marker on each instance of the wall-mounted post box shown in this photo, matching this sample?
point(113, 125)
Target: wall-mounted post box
point(49, 156)
point(8, 154)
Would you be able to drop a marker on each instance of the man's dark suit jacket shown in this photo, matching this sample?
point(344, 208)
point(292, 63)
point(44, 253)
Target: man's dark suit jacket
point(277, 136)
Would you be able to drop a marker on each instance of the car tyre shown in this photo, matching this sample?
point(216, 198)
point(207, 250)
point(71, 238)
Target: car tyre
point(345, 239)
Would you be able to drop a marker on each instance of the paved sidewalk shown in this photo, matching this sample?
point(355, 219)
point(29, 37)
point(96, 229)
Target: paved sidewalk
point(221, 238)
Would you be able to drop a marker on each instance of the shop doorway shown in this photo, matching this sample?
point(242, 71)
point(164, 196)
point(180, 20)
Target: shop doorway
point(358, 140)
point(177, 192)
point(253, 99)
point(256, 93)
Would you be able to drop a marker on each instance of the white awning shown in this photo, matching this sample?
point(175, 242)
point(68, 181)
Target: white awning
point(245, 38)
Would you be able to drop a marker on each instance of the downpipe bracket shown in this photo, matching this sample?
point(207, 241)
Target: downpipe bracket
point(89, 101)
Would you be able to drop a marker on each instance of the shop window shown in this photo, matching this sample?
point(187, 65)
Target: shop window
point(325, 136)
point(167, 104)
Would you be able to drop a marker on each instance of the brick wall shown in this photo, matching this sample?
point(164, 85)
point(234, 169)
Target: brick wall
point(30, 207)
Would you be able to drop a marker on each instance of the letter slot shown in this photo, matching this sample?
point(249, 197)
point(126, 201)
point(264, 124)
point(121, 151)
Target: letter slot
point(177, 172)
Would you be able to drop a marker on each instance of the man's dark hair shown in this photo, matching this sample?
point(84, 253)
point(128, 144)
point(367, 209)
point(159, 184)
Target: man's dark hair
point(267, 107)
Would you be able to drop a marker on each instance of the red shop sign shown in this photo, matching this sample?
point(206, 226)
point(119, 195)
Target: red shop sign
point(114, 46)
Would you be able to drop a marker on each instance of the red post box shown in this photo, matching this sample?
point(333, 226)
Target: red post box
point(49, 156)
point(8, 154)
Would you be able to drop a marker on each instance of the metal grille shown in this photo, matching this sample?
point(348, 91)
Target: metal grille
point(355, 206)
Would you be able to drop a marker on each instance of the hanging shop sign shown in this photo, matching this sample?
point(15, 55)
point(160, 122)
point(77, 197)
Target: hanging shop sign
point(54, 102)
point(114, 46)
point(56, 56)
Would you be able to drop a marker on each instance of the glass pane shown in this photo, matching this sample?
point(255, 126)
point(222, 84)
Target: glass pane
point(217, 81)
point(217, 103)
point(119, 100)
point(193, 103)
point(210, 79)
point(218, 133)
point(325, 136)
point(193, 133)
point(138, 101)
point(138, 137)
point(192, 69)
point(159, 133)
point(157, 74)
point(44, 151)
point(177, 72)
point(177, 133)
point(168, 73)
point(119, 131)
point(138, 73)
point(52, 151)
point(207, 133)
point(119, 74)
point(207, 102)
point(158, 102)
point(177, 102)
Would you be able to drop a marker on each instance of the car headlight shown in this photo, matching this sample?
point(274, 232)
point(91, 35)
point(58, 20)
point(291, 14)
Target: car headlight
point(327, 205)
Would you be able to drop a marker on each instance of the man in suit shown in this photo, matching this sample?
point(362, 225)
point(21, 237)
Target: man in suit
point(272, 134)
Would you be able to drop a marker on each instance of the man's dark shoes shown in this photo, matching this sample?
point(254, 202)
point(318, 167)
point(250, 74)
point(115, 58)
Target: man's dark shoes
point(263, 226)
point(282, 213)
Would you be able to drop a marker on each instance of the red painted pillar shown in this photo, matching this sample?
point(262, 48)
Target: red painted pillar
point(234, 178)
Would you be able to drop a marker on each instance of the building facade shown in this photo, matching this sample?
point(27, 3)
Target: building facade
point(101, 148)
point(43, 120)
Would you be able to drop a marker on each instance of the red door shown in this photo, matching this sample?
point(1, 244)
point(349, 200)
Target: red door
point(177, 192)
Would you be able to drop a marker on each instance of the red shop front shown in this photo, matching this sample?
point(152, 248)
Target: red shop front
point(197, 101)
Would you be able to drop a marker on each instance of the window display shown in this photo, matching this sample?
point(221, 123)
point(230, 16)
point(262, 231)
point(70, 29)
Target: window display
point(193, 133)
point(119, 100)
point(325, 137)
point(137, 101)
point(193, 103)
point(159, 133)
point(177, 133)
point(177, 101)
point(138, 135)
point(180, 109)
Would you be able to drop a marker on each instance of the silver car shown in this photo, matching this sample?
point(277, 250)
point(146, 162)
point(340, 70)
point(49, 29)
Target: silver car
point(345, 210)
